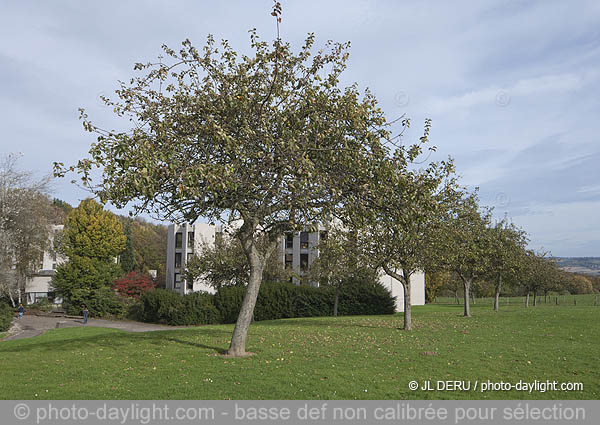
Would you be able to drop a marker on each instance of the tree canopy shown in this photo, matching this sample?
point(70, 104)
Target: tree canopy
point(269, 139)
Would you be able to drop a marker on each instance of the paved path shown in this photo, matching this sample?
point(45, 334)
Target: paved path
point(30, 325)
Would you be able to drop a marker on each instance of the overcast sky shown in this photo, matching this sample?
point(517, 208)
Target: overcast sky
point(512, 87)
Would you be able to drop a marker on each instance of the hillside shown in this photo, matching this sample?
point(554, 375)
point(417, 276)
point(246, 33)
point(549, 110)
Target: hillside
point(585, 265)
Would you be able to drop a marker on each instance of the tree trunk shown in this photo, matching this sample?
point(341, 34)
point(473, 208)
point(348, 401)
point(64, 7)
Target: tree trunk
point(527, 300)
point(407, 305)
point(237, 347)
point(473, 296)
point(534, 298)
point(404, 279)
point(12, 300)
point(497, 294)
point(336, 301)
point(467, 288)
point(456, 297)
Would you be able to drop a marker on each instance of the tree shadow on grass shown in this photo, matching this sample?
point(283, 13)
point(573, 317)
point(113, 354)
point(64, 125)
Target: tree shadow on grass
point(111, 339)
point(334, 322)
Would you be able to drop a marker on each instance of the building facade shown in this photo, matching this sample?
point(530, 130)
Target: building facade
point(39, 284)
point(297, 250)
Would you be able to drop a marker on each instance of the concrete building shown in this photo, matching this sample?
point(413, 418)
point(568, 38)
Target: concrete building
point(39, 284)
point(183, 241)
point(297, 251)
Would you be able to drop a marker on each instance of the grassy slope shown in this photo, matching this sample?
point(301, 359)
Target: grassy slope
point(317, 358)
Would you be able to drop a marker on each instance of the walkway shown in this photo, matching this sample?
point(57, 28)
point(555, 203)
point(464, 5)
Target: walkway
point(31, 325)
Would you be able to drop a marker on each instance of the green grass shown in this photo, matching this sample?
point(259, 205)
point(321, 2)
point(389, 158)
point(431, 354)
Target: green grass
point(316, 358)
point(3, 334)
point(562, 300)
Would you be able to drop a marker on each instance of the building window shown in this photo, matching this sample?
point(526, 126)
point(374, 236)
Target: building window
point(190, 255)
point(190, 286)
point(53, 266)
point(289, 261)
point(190, 240)
point(177, 260)
point(289, 240)
point(177, 280)
point(303, 261)
point(303, 240)
point(178, 240)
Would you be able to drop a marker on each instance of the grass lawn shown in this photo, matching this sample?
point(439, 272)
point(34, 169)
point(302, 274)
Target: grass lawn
point(317, 358)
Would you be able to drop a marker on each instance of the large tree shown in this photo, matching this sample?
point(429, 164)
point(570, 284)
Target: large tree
point(269, 139)
point(92, 240)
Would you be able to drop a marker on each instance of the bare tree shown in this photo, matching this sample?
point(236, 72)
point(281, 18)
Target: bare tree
point(25, 218)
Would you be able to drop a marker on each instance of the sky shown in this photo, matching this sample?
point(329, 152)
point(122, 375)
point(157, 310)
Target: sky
point(512, 87)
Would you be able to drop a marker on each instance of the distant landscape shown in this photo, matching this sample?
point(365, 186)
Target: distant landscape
point(585, 265)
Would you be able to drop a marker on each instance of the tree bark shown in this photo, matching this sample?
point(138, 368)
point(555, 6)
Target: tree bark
point(456, 297)
point(407, 305)
point(336, 301)
point(237, 348)
point(497, 294)
point(404, 279)
point(467, 288)
point(534, 298)
point(256, 261)
point(527, 300)
point(473, 296)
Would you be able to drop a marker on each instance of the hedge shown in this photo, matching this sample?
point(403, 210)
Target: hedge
point(7, 314)
point(275, 301)
point(168, 307)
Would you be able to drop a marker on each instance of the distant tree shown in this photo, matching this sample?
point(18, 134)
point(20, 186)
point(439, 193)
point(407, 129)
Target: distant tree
point(506, 262)
point(434, 282)
point(580, 284)
point(149, 242)
point(269, 139)
point(127, 256)
point(468, 247)
point(61, 210)
point(92, 240)
point(539, 273)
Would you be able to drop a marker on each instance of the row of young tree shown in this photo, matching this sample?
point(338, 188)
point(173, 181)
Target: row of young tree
point(270, 140)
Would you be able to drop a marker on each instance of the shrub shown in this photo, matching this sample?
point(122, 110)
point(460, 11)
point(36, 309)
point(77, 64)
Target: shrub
point(228, 301)
point(275, 301)
point(103, 302)
point(42, 305)
point(286, 300)
point(6, 316)
point(168, 307)
point(199, 308)
point(365, 297)
point(134, 285)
